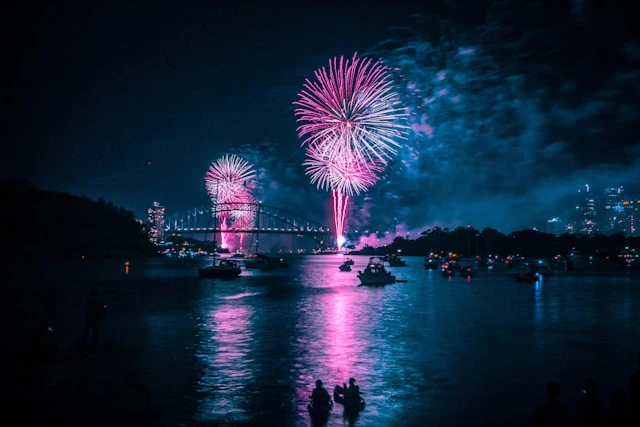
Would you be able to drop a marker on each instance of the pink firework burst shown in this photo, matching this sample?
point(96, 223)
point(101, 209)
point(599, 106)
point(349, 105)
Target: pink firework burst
point(229, 182)
point(228, 178)
point(333, 170)
point(352, 107)
point(351, 122)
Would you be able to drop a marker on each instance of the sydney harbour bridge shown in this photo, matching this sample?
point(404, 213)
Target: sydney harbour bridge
point(264, 219)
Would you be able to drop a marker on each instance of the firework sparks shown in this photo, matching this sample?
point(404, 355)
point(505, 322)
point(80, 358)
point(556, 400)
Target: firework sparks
point(351, 121)
point(352, 108)
point(333, 170)
point(229, 182)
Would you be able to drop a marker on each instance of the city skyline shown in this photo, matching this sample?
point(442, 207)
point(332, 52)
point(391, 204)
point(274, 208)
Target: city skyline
point(615, 211)
point(513, 105)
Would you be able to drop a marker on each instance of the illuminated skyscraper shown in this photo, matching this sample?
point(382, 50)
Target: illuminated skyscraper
point(586, 213)
point(631, 210)
point(613, 213)
point(155, 222)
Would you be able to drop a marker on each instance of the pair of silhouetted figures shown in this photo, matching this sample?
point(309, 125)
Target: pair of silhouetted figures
point(622, 411)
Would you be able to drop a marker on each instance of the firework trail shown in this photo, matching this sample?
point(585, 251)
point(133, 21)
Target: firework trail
point(243, 215)
point(335, 170)
point(351, 121)
point(229, 182)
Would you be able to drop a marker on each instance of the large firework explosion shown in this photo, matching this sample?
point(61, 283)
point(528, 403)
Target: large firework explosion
point(351, 121)
point(229, 182)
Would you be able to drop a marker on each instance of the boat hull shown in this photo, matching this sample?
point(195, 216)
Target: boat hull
point(217, 273)
point(526, 278)
point(375, 273)
point(263, 262)
point(376, 280)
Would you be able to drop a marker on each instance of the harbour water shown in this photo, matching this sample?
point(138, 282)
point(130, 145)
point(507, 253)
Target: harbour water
point(429, 351)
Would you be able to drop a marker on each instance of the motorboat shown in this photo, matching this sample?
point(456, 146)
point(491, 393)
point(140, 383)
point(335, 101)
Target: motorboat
point(348, 261)
point(264, 262)
point(449, 269)
point(430, 264)
point(345, 266)
point(448, 272)
point(223, 269)
point(527, 277)
point(395, 261)
point(467, 271)
point(375, 273)
point(575, 261)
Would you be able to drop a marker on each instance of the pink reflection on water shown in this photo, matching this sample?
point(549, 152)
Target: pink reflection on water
point(229, 321)
point(226, 345)
point(342, 345)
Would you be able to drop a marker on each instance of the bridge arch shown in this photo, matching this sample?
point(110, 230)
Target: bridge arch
point(267, 219)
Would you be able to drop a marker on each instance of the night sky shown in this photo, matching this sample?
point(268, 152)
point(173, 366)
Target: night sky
point(515, 105)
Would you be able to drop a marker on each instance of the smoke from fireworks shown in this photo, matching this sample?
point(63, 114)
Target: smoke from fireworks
point(350, 124)
point(229, 182)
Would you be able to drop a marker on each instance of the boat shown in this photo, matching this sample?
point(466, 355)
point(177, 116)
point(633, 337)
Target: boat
point(264, 262)
point(260, 261)
point(467, 271)
point(350, 405)
point(574, 261)
point(449, 269)
point(527, 277)
point(348, 261)
point(395, 261)
point(375, 273)
point(448, 272)
point(430, 264)
point(222, 269)
point(345, 266)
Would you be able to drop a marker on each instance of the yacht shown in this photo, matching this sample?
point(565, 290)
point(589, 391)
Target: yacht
point(375, 273)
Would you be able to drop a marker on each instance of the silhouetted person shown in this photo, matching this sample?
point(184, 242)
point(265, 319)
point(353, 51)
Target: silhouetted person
point(618, 414)
point(634, 392)
point(94, 312)
point(589, 406)
point(552, 412)
point(320, 397)
point(353, 390)
point(352, 394)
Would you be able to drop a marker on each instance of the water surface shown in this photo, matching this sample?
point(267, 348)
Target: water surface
point(429, 351)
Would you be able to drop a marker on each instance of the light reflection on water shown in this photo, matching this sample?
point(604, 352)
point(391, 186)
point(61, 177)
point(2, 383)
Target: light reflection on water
point(226, 339)
point(431, 351)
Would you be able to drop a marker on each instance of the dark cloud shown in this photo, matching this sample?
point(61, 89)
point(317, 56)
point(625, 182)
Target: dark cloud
point(514, 105)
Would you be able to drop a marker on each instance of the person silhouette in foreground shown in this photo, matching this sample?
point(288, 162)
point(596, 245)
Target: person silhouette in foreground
point(320, 397)
point(634, 392)
point(618, 413)
point(552, 412)
point(352, 393)
point(94, 312)
point(589, 406)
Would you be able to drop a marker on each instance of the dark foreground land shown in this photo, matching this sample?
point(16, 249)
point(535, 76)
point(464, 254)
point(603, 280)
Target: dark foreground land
point(57, 380)
point(84, 387)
